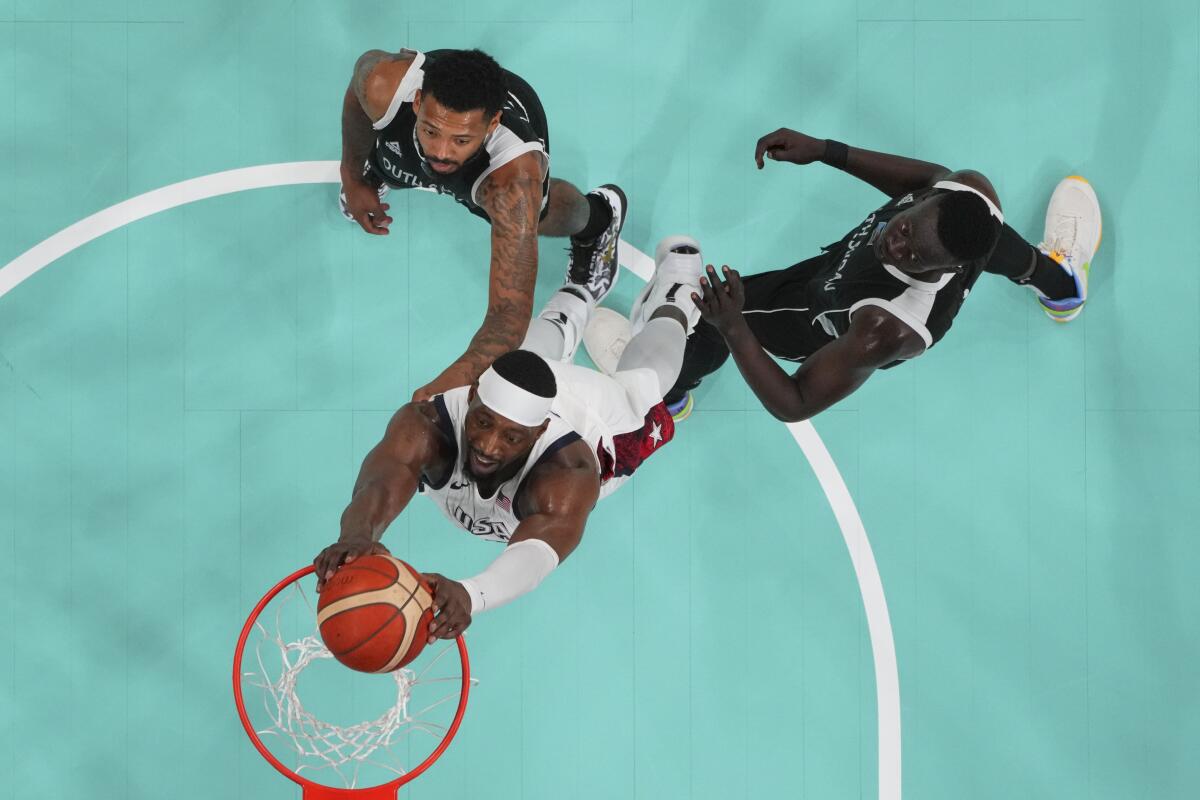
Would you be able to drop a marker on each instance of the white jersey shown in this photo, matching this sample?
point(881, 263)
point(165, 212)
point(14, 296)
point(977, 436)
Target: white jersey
point(621, 419)
point(495, 517)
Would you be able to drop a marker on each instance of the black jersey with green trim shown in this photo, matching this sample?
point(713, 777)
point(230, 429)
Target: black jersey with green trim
point(398, 161)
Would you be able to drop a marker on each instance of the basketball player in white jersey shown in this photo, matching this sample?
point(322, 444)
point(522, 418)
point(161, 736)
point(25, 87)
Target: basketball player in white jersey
point(454, 122)
point(521, 456)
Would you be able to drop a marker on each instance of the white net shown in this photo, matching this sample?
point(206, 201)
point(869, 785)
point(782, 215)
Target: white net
point(420, 700)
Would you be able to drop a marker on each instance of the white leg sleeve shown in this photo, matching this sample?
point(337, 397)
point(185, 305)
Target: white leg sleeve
point(544, 338)
point(658, 346)
point(676, 276)
point(565, 315)
point(517, 571)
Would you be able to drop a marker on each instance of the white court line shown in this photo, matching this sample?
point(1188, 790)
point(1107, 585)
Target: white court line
point(879, 627)
point(34, 259)
point(870, 585)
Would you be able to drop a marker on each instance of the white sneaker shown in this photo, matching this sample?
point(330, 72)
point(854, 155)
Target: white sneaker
point(606, 337)
point(677, 274)
point(1073, 231)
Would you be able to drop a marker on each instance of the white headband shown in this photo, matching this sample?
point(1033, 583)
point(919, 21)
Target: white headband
point(955, 186)
point(511, 401)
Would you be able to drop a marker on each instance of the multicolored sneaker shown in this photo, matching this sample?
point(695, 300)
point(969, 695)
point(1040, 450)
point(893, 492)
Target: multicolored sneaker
point(1073, 231)
point(592, 266)
point(681, 410)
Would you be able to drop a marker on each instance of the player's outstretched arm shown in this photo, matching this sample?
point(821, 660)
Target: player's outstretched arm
point(875, 338)
point(555, 508)
point(557, 503)
point(386, 483)
point(890, 174)
point(377, 75)
point(512, 197)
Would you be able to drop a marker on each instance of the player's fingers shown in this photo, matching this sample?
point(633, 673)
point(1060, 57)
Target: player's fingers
point(366, 223)
point(448, 629)
point(380, 222)
point(717, 287)
point(443, 603)
point(457, 623)
point(734, 283)
point(324, 564)
point(381, 218)
point(764, 144)
point(705, 300)
point(448, 623)
point(435, 630)
point(439, 603)
point(760, 149)
point(434, 582)
point(713, 291)
point(373, 217)
point(439, 622)
point(324, 572)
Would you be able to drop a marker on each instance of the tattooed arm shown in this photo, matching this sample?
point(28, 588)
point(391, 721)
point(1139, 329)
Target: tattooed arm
point(512, 197)
point(377, 75)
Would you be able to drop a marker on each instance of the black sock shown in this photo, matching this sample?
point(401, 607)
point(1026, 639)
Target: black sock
point(1021, 262)
point(599, 218)
point(703, 355)
point(1051, 279)
point(574, 293)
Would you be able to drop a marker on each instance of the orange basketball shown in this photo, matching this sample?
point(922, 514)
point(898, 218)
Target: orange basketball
point(374, 614)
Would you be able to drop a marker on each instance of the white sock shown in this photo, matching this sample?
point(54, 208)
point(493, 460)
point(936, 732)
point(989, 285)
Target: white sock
point(555, 333)
point(658, 346)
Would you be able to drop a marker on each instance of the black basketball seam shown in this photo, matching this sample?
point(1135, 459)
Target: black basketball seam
point(416, 580)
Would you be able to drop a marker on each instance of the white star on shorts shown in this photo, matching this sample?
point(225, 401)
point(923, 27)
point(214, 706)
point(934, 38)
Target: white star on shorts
point(656, 434)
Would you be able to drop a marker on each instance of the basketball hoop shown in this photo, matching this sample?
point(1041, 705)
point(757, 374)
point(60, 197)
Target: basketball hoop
point(282, 644)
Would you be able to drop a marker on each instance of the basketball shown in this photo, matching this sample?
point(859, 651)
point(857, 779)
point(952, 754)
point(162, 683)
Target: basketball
point(374, 614)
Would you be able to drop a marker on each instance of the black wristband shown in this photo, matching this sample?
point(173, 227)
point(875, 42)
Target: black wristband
point(836, 154)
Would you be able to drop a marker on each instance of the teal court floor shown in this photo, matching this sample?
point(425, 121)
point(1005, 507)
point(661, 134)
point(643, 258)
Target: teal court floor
point(184, 403)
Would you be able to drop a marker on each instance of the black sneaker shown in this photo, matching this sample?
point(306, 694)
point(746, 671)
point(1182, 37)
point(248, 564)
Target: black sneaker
point(592, 266)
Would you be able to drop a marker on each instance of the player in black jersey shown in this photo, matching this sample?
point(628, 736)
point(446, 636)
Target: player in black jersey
point(454, 122)
point(889, 290)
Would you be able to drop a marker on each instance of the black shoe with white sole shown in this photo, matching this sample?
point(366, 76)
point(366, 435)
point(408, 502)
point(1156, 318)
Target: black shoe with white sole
point(592, 266)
